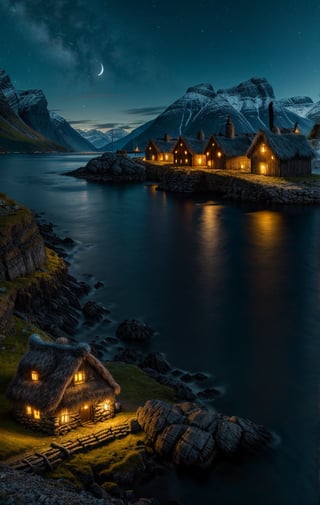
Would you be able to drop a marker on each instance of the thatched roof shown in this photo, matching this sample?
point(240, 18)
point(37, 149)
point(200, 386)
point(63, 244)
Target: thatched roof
point(232, 147)
point(195, 145)
point(163, 146)
point(56, 364)
point(285, 146)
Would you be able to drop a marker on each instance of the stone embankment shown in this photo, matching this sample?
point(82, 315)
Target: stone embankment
point(192, 436)
point(244, 187)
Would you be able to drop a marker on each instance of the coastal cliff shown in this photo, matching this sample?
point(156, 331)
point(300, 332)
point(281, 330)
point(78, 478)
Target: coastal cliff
point(34, 280)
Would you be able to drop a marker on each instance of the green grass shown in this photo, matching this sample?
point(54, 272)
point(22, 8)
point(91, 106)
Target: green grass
point(308, 178)
point(120, 455)
point(137, 387)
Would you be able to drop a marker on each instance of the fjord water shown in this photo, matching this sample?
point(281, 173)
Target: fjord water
point(232, 290)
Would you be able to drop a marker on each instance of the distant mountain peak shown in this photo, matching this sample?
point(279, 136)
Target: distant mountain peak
point(252, 88)
point(205, 89)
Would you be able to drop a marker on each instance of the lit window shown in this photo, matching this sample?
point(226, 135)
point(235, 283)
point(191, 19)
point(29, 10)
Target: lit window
point(186, 152)
point(86, 407)
point(263, 148)
point(199, 161)
point(28, 410)
point(176, 152)
point(212, 144)
point(161, 157)
point(219, 154)
point(176, 161)
point(79, 377)
point(149, 148)
point(34, 375)
point(208, 153)
point(166, 157)
point(186, 160)
point(106, 405)
point(263, 168)
point(64, 418)
point(272, 157)
point(181, 144)
point(36, 414)
point(153, 157)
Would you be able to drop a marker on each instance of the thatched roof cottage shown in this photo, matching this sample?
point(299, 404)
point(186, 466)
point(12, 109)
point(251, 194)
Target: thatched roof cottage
point(59, 386)
point(229, 151)
point(280, 155)
point(160, 149)
point(189, 151)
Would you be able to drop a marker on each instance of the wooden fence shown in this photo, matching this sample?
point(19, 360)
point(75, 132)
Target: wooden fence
point(39, 462)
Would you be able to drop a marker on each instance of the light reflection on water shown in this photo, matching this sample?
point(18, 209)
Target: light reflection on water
point(233, 290)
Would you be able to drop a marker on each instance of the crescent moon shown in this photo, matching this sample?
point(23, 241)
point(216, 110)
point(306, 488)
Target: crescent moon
point(101, 71)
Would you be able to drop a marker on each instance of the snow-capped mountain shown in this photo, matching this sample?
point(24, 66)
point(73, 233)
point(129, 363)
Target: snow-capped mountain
point(9, 91)
point(201, 108)
point(33, 109)
point(15, 134)
point(129, 142)
point(100, 139)
point(29, 110)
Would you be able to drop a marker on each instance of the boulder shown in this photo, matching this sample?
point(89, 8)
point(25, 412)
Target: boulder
point(156, 361)
point(94, 311)
point(134, 331)
point(193, 436)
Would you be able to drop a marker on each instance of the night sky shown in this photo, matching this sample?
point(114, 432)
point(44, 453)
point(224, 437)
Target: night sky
point(153, 50)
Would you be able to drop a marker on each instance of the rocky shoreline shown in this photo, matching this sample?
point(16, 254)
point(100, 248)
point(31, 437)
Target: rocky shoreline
point(55, 305)
point(227, 184)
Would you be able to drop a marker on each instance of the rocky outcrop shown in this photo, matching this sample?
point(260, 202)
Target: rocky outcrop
point(111, 168)
point(193, 437)
point(134, 331)
point(22, 249)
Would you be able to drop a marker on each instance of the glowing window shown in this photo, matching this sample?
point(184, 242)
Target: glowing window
point(263, 168)
point(208, 153)
point(166, 157)
point(212, 144)
point(263, 148)
point(181, 144)
point(186, 152)
point(149, 148)
point(186, 160)
point(153, 157)
point(161, 157)
point(64, 418)
point(199, 161)
point(272, 157)
point(176, 161)
point(106, 405)
point(28, 410)
point(36, 414)
point(219, 154)
point(79, 377)
point(34, 375)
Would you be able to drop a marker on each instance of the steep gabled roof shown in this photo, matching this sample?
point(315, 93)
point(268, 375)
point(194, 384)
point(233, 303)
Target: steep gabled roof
point(56, 364)
point(285, 146)
point(235, 146)
point(164, 146)
point(195, 145)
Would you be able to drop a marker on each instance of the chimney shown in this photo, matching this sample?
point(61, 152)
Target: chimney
point(230, 130)
point(201, 135)
point(166, 137)
point(271, 116)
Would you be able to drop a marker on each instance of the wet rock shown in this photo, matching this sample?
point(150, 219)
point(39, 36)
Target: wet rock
point(128, 356)
point(98, 285)
point(228, 437)
point(94, 311)
point(134, 331)
point(194, 436)
point(156, 361)
point(209, 393)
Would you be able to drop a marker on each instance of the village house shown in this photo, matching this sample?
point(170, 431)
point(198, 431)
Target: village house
point(160, 149)
point(59, 386)
point(280, 155)
point(189, 151)
point(229, 151)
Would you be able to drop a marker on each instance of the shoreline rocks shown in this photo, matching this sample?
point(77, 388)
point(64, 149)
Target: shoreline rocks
point(111, 167)
point(192, 436)
point(132, 330)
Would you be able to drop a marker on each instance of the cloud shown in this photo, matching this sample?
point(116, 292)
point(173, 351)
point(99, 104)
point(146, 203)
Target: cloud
point(79, 121)
point(109, 125)
point(146, 111)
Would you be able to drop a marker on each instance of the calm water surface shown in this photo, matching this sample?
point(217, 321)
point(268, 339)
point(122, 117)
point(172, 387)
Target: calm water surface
point(232, 290)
